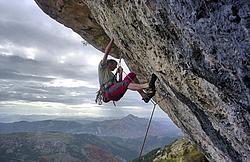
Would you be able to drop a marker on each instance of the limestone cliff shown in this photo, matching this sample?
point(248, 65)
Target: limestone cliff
point(199, 49)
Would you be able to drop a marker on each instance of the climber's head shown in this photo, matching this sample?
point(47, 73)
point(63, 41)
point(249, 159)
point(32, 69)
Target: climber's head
point(112, 64)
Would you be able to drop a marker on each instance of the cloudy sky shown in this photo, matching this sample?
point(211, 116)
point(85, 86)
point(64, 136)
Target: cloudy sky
point(46, 70)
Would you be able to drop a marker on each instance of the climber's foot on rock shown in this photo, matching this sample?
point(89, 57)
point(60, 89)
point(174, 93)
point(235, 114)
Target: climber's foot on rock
point(148, 96)
point(150, 91)
point(151, 88)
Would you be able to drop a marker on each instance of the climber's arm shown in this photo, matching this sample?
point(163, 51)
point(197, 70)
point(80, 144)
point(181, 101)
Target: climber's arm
point(107, 50)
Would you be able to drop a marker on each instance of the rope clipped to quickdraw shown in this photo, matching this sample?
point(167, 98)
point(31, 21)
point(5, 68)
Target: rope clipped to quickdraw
point(119, 64)
point(120, 59)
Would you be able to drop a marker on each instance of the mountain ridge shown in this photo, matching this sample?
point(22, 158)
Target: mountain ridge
point(127, 127)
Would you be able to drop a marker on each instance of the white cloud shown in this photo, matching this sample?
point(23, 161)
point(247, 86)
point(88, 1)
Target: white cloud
point(10, 48)
point(50, 108)
point(69, 83)
point(30, 52)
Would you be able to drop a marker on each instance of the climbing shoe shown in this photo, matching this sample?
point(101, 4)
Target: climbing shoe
point(152, 81)
point(150, 91)
point(148, 96)
point(146, 99)
point(151, 88)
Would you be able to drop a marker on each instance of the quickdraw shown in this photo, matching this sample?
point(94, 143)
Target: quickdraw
point(100, 93)
point(99, 97)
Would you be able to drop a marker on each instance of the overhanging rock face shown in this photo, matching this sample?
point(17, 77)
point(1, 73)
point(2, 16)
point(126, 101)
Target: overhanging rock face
point(200, 50)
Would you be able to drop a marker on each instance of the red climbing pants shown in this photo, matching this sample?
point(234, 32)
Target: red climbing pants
point(116, 91)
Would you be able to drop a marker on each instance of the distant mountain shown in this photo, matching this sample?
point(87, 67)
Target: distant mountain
point(131, 127)
point(180, 150)
point(10, 118)
point(41, 126)
point(60, 147)
point(127, 127)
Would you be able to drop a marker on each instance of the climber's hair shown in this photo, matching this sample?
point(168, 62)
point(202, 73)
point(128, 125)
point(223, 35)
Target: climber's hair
point(111, 61)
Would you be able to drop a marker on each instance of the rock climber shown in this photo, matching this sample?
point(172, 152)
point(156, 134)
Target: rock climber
point(113, 90)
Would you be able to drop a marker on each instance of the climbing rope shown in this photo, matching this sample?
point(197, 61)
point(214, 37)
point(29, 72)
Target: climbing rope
point(149, 123)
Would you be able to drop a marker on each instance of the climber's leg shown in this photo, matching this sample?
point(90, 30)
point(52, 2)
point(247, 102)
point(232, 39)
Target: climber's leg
point(136, 87)
point(117, 90)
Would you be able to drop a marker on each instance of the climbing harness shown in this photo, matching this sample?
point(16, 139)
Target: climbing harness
point(149, 123)
point(100, 97)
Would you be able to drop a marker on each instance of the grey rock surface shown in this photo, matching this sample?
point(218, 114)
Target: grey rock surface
point(200, 51)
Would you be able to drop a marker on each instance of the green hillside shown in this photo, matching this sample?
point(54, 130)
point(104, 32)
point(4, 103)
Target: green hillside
point(180, 151)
